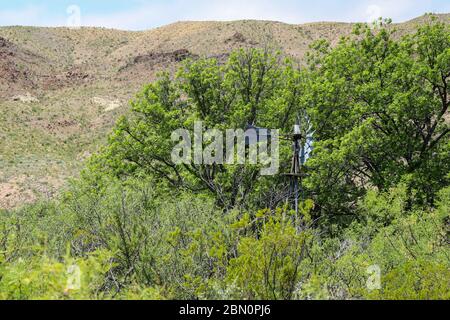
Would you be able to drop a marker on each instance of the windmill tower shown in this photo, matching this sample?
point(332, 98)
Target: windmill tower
point(302, 139)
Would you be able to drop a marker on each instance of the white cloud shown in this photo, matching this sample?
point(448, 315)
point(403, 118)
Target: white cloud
point(151, 14)
point(144, 16)
point(30, 15)
point(250, 9)
point(373, 12)
point(27, 15)
point(398, 10)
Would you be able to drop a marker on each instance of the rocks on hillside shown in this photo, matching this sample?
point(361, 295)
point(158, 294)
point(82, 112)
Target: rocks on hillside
point(239, 38)
point(177, 56)
point(109, 105)
point(155, 58)
point(236, 38)
point(6, 49)
point(26, 98)
point(76, 75)
point(4, 43)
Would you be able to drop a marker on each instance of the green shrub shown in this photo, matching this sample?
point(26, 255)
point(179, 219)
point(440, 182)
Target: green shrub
point(45, 278)
point(268, 263)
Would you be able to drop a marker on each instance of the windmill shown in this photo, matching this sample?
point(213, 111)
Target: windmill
point(302, 139)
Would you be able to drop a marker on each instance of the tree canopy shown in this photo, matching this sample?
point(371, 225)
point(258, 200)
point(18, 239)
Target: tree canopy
point(380, 111)
point(378, 106)
point(255, 87)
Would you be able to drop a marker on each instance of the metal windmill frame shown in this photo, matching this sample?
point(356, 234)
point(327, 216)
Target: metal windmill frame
point(301, 139)
point(301, 149)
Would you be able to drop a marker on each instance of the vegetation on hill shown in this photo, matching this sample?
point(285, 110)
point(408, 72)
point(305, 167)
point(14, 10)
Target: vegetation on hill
point(373, 222)
point(61, 89)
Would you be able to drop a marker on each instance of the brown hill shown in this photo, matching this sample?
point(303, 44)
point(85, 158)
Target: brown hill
point(62, 89)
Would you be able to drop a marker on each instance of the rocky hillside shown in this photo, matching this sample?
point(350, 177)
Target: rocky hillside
point(62, 89)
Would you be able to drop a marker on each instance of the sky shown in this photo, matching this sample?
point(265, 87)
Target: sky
point(147, 14)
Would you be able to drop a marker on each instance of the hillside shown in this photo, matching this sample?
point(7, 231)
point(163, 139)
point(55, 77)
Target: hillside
point(62, 89)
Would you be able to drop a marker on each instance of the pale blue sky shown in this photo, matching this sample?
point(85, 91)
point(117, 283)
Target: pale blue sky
point(146, 14)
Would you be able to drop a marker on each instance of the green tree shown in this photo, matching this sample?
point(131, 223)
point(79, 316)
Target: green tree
point(380, 110)
point(255, 87)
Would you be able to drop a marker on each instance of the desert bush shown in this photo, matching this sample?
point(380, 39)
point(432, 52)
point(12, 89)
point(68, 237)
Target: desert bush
point(44, 226)
point(411, 252)
point(268, 262)
point(157, 241)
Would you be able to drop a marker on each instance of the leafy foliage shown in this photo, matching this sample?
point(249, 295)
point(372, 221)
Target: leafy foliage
point(373, 222)
point(253, 88)
point(379, 106)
